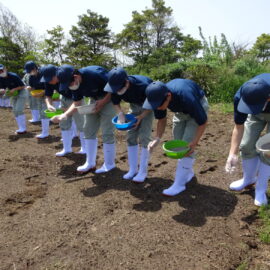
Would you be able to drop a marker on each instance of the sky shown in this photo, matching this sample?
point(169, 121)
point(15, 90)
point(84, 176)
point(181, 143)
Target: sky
point(242, 21)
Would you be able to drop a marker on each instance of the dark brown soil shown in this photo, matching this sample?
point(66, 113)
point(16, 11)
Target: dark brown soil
point(52, 218)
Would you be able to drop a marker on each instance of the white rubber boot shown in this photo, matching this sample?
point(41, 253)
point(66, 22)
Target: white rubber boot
point(262, 184)
point(143, 170)
point(91, 154)
point(74, 130)
point(6, 103)
point(21, 124)
point(109, 158)
point(67, 143)
point(9, 103)
point(184, 173)
point(82, 150)
point(132, 161)
point(35, 116)
point(250, 170)
point(45, 126)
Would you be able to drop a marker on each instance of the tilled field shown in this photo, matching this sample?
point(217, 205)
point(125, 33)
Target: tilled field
point(52, 218)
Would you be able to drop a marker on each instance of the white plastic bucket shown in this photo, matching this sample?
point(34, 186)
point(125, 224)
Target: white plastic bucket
point(86, 109)
point(263, 145)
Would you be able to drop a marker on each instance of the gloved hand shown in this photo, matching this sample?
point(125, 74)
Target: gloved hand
point(121, 118)
point(51, 108)
point(231, 163)
point(153, 144)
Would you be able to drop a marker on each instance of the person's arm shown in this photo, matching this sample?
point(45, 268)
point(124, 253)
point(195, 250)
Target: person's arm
point(16, 88)
point(236, 138)
point(49, 104)
point(195, 141)
point(161, 125)
point(71, 110)
point(121, 115)
point(17, 81)
point(102, 102)
point(118, 108)
point(140, 117)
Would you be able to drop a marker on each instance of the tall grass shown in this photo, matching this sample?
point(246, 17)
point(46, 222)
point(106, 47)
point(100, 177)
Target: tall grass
point(264, 231)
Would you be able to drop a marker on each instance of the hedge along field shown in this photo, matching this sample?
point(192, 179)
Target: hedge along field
point(219, 81)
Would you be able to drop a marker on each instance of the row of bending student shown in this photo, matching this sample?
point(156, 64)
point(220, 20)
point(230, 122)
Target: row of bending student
point(149, 100)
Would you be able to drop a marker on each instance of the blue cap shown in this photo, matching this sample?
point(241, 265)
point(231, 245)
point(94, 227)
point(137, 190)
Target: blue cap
point(29, 66)
point(116, 80)
point(48, 72)
point(155, 92)
point(254, 95)
point(64, 75)
point(2, 67)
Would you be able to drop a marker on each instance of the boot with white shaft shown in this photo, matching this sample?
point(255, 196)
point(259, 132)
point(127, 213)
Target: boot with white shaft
point(250, 170)
point(184, 173)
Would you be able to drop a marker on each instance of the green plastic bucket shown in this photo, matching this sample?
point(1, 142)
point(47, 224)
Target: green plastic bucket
point(176, 149)
point(55, 96)
point(14, 94)
point(50, 114)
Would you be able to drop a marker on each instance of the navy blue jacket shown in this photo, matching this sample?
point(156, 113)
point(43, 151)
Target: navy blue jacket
point(94, 79)
point(34, 81)
point(11, 81)
point(136, 91)
point(186, 98)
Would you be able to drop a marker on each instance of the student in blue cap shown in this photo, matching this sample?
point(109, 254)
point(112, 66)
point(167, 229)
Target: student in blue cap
point(50, 75)
point(189, 104)
point(90, 82)
point(35, 84)
point(33, 102)
point(131, 89)
point(11, 81)
point(251, 116)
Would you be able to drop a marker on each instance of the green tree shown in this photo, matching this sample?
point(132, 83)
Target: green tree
point(152, 38)
point(18, 41)
point(11, 55)
point(190, 47)
point(213, 50)
point(134, 39)
point(18, 33)
point(90, 41)
point(54, 46)
point(239, 50)
point(262, 47)
point(160, 23)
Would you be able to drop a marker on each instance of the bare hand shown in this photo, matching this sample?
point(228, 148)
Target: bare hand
point(153, 144)
point(139, 120)
point(191, 147)
point(121, 118)
point(51, 108)
point(99, 105)
point(58, 118)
